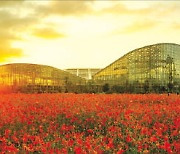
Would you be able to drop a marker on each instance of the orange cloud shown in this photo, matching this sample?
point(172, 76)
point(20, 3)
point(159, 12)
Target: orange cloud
point(6, 50)
point(47, 33)
point(11, 28)
point(6, 53)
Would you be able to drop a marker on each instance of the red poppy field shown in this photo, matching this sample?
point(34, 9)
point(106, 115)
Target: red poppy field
point(89, 123)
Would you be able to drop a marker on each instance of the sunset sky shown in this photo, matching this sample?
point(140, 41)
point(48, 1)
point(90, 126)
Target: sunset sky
point(80, 34)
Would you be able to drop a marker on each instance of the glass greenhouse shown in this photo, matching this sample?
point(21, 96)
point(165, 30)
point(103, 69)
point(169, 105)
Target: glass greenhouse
point(35, 78)
point(150, 68)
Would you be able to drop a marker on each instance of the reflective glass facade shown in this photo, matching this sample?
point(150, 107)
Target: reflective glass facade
point(32, 77)
point(152, 66)
point(85, 73)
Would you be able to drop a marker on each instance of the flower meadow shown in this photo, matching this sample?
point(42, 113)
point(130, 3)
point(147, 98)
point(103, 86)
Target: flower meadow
point(89, 123)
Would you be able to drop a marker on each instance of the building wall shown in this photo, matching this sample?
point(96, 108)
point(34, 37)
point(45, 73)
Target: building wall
point(157, 64)
point(36, 77)
point(85, 73)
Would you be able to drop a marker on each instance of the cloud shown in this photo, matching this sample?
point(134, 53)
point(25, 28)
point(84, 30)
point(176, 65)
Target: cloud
point(135, 17)
point(12, 26)
point(12, 21)
point(69, 8)
point(19, 17)
point(47, 33)
point(121, 9)
point(7, 37)
point(151, 9)
point(7, 3)
point(7, 52)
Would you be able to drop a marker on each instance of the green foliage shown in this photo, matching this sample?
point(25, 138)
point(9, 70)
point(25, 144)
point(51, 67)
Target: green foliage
point(105, 87)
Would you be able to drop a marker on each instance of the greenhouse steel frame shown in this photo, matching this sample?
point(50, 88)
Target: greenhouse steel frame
point(148, 68)
point(35, 78)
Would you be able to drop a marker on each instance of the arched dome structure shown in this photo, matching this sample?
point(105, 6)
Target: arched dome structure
point(25, 77)
point(150, 68)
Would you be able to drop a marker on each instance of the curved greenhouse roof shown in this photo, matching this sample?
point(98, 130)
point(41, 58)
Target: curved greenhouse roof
point(141, 49)
point(23, 75)
point(157, 64)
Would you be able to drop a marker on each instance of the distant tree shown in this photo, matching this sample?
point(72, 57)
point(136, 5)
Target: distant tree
point(118, 89)
point(170, 87)
point(146, 86)
point(136, 86)
point(162, 89)
point(105, 87)
point(68, 85)
point(130, 88)
point(115, 89)
point(156, 88)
